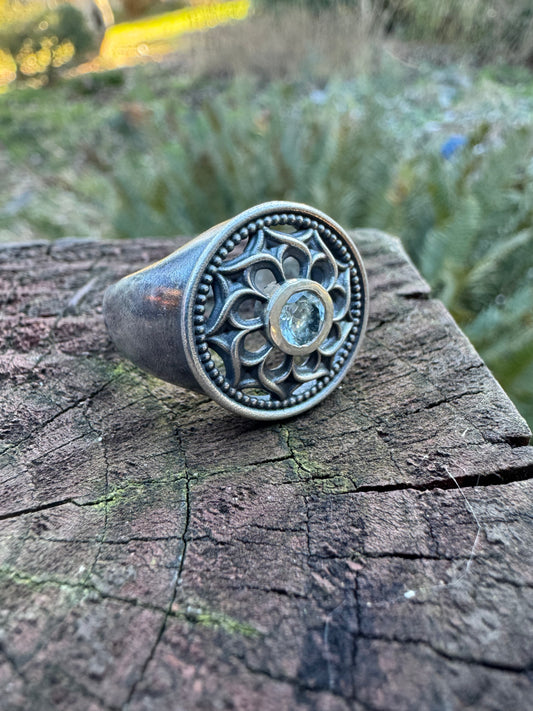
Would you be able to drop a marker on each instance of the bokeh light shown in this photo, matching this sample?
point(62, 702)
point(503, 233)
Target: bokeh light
point(122, 44)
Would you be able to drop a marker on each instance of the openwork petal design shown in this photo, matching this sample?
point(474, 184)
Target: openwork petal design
point(275, 380)
point(258, 261)
point(228, 347)
point(237, 280)
point(254, 273)
point(341, 295)
point(252, 358)
point(332, 344)
point(323, 262)
point(285, 245)
point(227, 310)
point(310, 369)
point(258, 274)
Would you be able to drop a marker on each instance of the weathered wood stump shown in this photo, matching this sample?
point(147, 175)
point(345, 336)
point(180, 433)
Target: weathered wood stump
point(160, 553)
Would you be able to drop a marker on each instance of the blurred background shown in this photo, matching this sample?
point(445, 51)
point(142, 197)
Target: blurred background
point(130, 118)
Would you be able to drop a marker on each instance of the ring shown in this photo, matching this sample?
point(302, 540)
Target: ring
point(264, 312)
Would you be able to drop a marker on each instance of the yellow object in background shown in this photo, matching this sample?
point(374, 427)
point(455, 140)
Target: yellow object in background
point(125, 43)
point(8, 68)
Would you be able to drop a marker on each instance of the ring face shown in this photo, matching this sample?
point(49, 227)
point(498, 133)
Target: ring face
point(276, 311)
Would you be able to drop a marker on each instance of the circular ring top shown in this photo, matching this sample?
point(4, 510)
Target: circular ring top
point(276, 310)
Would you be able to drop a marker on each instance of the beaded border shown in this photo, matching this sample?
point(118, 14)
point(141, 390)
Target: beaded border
point(337, 246)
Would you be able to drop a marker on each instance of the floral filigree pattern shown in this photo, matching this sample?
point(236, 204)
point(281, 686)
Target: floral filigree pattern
point(234, 340)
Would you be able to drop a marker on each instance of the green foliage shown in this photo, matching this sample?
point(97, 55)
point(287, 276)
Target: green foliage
point(224, 158)
point(503, 334)
point(467, 222)
point(314, 5)
point(485, 28)
point(163, 155)
point(488, 28)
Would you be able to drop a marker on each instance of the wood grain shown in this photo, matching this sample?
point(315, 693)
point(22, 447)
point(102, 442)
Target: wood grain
point(157, 552)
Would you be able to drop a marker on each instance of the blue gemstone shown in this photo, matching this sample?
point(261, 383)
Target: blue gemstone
point(301, 318)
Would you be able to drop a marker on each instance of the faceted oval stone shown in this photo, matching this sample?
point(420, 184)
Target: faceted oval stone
point(301, 318)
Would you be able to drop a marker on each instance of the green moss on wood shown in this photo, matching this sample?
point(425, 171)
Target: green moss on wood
point(218, 620)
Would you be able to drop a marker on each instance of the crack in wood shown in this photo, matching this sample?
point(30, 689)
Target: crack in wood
point(80, 401)
point(463, 659)
point(278, 556)
point(177, 581)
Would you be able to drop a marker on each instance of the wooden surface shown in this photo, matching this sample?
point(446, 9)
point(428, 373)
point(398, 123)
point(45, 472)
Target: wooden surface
point(158, 553)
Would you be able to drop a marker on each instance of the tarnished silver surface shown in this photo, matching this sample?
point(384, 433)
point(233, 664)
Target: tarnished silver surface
point(264, 312)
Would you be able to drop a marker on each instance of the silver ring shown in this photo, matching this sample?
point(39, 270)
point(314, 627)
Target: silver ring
point(264, 312)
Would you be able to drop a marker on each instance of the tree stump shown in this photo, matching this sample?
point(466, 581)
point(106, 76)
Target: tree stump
point(158, 552)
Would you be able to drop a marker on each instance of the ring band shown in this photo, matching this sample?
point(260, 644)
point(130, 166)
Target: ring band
point(264, 312)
